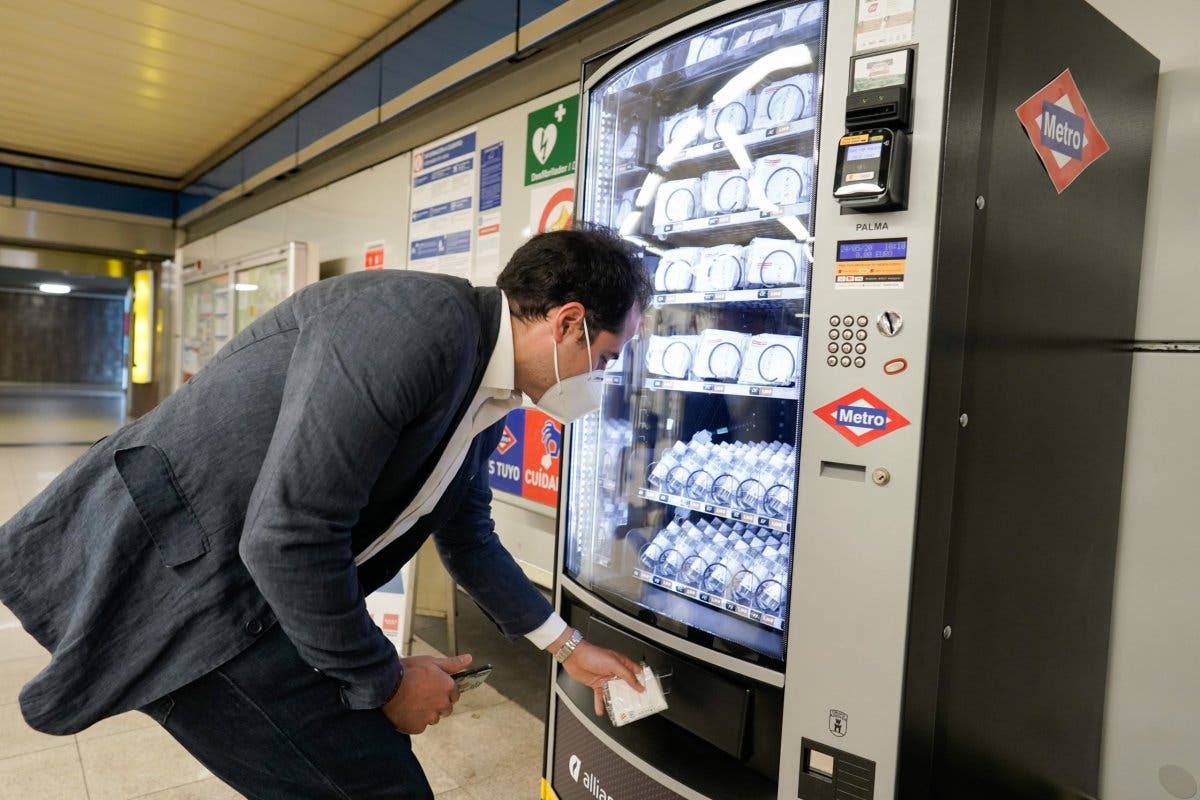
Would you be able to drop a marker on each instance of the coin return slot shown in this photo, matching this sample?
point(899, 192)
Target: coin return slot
point(820, 763)
point(845, 472)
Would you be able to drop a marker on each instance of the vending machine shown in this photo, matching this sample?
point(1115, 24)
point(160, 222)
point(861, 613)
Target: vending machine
point(852, 492)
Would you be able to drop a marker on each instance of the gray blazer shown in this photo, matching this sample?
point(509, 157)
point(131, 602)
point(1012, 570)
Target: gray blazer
point(241, 501)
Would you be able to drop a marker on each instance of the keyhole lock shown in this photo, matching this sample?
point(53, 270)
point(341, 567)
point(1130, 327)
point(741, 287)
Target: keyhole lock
point(881, 477)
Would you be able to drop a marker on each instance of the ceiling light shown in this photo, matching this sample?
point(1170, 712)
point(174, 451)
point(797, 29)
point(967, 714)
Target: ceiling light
point(54, 288)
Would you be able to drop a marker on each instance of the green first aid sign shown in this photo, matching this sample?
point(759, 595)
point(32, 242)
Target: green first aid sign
point(550, 141)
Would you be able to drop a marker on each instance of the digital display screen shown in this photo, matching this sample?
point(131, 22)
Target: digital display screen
point(873, 250)
point(863, 152)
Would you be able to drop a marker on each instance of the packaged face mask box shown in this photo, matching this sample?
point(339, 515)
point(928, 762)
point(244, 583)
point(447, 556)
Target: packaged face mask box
point(785, 101)
point(771, 360)
point(785, 179)
point(734, 117)
point(757, 29)
point(625, 206)
point(793, 17)
point(670, 356)
point(631, 142)
point(776, 262)
point(720, 269)
point(708, 45)
point(719, 355)
point(677, 269)
point(725, 191)
point(677, 201)
point(676, 126)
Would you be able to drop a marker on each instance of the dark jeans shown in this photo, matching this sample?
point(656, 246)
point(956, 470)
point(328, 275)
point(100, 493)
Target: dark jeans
point(271, 727)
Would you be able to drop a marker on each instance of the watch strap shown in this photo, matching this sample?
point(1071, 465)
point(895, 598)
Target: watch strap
point(568, 646)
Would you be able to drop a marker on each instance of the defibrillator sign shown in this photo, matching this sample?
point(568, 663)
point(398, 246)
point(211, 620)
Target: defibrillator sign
point(1061, 130)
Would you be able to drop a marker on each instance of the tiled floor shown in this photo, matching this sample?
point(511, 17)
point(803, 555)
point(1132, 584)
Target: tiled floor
point(490, 747)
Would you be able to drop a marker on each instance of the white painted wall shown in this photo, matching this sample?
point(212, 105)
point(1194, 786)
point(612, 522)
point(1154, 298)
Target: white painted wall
point(1152, 716)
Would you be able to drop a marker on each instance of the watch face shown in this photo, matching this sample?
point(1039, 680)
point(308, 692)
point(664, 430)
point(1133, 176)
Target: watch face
point(724, 273)
point(732, 193)
point(776, 364)
point(733, 117)
point(785, 104)
point(680, 205)
point(778, 268)
point(784, 186)
point(724, 361)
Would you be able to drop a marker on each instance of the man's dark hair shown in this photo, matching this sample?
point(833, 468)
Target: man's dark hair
point(590, 265)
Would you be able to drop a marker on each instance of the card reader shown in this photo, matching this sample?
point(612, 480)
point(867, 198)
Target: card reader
point(870, 170)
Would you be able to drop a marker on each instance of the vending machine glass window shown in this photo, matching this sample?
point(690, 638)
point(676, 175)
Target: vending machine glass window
point(680, 496)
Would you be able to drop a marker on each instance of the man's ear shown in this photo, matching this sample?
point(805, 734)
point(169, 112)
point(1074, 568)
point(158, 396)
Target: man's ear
point(566, 317)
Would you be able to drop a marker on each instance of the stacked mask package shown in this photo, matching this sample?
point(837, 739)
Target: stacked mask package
point(785, 179)
point(677, 201)
point(735, 117)
point(776, 262)
point(670, 356)
point(771, 360)
point(720, 268)
point(725, 191)
point(708, 45)
point(785, 101)
point(756, 30)
point(677, 269)
point(793, 17)
point(718, 354)
point(675, 126)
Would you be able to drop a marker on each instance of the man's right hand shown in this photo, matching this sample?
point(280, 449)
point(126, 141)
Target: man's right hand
point(426, 693)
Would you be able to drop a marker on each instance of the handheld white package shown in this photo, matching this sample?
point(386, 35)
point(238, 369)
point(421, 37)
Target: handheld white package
point(776, 262)
point(677, 201)
point(771, 360)
point(719, 354)
point(785, 101)
point(725, 191)
point(626, 705)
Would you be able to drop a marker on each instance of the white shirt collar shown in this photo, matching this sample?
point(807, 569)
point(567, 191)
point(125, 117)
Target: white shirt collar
point(500, 375)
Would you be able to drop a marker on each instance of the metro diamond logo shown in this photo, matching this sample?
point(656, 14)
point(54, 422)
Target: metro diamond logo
point(861, 417)
point(507, 441)
point(1061, 130)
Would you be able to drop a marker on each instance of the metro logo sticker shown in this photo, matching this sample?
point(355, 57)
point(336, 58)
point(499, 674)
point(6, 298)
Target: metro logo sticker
point(861, 417)
point(1061, 130)
point(508, 440)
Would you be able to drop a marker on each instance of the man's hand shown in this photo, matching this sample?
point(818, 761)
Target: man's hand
point(595, 666)
point(426, 693)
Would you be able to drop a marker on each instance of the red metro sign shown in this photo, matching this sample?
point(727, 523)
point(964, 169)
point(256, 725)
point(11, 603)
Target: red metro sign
point(861, 417)
point(1061, 130)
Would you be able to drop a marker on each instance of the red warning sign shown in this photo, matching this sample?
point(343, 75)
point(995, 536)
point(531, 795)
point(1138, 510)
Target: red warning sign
point(1061, 130)
point(861, 417)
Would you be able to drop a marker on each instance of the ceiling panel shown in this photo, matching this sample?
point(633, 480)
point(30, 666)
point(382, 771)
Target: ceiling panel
point(158, 86)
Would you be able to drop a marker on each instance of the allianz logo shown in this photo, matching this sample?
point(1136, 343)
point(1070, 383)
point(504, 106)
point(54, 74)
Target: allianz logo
point(590, 781)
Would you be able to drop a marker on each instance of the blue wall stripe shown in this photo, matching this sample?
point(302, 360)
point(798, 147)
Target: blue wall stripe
point(224, 176)
point(49, 187)
point(456, 33)
point(7, 177)
point(272, 147)
point(346, 100)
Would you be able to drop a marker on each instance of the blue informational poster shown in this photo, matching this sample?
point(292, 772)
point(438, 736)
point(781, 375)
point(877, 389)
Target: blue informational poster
point(491, 169)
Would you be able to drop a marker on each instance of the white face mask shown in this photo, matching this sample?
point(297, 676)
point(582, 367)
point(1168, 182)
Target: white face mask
point(568, 400)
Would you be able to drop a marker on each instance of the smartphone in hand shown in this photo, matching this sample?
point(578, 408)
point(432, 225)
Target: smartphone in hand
point(471, 677)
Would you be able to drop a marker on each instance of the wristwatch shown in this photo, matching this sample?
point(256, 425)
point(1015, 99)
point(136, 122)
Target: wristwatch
point(568, 647)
